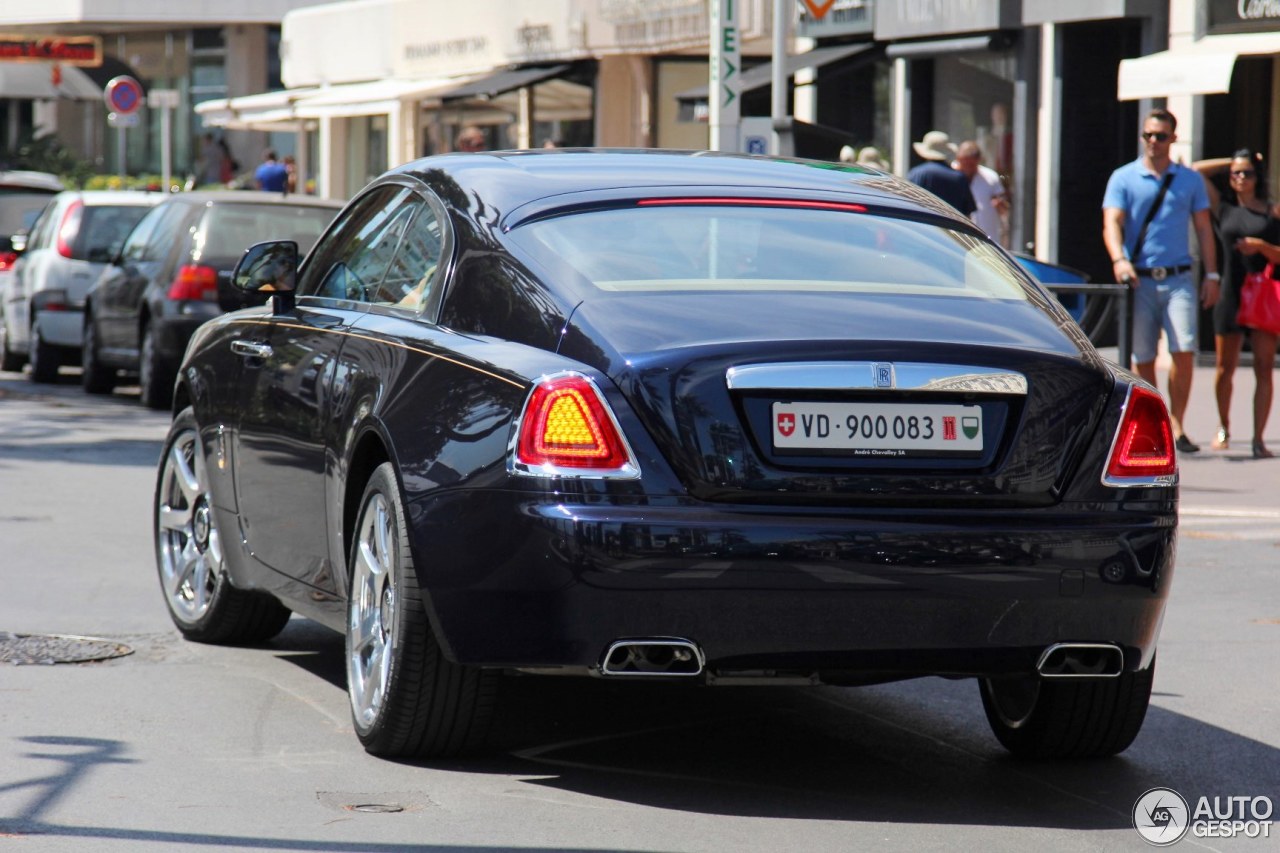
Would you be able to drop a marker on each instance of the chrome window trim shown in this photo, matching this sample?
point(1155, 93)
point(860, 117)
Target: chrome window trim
point(861, 376)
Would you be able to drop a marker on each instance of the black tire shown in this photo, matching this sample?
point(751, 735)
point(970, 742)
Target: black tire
point(189, 557)
point(407, 699)
point(154, 375)
point(44, 358)
point(1067, 718)
point(10, 361)
point(95, 377)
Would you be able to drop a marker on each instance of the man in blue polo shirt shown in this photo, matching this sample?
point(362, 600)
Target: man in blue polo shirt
point(273, 176)
point(1160, 271)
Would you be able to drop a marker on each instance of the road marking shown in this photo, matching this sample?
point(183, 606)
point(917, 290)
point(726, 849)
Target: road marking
point(1229, 512)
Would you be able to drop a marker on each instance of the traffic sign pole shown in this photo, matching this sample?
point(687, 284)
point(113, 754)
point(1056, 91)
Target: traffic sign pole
point(123, 96)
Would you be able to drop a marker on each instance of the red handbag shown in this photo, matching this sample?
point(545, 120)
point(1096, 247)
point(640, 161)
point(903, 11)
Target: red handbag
point(1260, 302)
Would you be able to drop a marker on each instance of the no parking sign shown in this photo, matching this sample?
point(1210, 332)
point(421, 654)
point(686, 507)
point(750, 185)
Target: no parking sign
point(123, 96)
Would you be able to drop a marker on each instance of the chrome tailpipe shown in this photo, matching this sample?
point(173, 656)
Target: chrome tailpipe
point(1081, 660)
point(665, 656)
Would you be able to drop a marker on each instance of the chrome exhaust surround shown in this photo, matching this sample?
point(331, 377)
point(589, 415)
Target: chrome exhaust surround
point(660, 656)
point(1081, 660)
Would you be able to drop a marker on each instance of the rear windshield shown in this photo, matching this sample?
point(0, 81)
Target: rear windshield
point(103, 229)
point(763, 248)
point(229, 229)
point(18, 210)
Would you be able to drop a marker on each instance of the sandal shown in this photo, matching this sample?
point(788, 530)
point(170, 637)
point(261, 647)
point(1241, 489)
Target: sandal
point(1222, 440)
point(1260, 450)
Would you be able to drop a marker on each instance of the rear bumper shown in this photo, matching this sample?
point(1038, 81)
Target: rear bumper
point(515, 581)
point(62, 328)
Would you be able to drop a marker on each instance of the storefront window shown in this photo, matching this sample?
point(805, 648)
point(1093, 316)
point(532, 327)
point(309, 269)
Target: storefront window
point(973, 97)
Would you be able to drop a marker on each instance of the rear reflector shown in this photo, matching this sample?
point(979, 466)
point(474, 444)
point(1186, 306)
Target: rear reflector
point(195, 282)
point(1142, 452)
point(567, 429)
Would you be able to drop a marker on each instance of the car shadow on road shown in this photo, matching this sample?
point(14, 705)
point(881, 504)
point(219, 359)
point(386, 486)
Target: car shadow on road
point(915, 752)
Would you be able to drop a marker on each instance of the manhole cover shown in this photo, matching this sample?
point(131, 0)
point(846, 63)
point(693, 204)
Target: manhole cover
point(57, 648)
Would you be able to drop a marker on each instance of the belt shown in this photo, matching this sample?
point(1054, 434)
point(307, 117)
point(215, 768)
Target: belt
point(1161, 273)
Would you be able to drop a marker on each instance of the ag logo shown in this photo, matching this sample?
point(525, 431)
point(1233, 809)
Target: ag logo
point(786, 424)
point(1161, 816)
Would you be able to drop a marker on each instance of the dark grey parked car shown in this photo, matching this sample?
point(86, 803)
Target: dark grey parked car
point(173, 274)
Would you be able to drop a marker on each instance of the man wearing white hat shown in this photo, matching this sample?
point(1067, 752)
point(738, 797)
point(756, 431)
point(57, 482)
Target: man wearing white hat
point(936, 175)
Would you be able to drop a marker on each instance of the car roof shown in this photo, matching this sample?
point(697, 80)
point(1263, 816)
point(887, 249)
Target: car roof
point(30, 180)
point(252, 197)
point(97, 198)
point(508, 180)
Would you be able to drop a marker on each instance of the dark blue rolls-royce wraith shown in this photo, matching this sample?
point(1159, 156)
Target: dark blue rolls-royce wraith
point(669, 415)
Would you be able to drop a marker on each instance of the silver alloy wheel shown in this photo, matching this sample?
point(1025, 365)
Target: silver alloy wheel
point(190, 549)
point(372, 611)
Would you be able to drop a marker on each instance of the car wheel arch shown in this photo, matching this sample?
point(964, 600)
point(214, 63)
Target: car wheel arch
point(370, 450)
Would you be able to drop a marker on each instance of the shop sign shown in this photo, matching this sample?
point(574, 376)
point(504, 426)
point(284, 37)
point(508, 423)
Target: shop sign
point(85, 51)
point(823, 18)
point(655, 23)
point(916, 18)
point(1243, 16)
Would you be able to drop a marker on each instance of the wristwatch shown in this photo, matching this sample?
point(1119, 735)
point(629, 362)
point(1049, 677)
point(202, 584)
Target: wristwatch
point(1213, 276)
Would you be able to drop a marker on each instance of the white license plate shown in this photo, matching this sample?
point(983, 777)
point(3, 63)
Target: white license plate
point(878, 429)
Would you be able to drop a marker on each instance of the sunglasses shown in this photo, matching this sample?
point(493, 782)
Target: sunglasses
point(1243, 173)
point(1155, 136)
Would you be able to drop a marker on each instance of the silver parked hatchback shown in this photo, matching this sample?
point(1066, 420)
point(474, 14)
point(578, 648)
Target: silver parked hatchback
point(71, 242)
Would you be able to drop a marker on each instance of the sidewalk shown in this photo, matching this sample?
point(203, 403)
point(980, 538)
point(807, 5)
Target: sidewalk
point(1224, 481)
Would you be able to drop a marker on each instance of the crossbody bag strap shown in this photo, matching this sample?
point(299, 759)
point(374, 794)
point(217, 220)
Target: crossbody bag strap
point(1151, 214)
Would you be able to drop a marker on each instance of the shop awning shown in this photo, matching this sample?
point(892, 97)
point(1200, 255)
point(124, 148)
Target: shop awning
point(495, 83)
point(1200, 68)
point(273, 111)
point(374, 98)
point(34, 81)
point(762, 75)
point(493, 97)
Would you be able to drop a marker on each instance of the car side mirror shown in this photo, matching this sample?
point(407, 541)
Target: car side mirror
point(268, 269)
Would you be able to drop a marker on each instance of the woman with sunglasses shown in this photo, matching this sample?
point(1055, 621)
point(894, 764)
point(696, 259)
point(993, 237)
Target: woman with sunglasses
point(1243, 212)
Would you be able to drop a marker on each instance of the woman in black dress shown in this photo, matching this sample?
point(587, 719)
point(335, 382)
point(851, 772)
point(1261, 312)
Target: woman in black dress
point(1242, 212)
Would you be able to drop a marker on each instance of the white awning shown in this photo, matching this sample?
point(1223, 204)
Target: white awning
point(378, 97)
point(34, 81)
point(265, 111)
point(1200, 68)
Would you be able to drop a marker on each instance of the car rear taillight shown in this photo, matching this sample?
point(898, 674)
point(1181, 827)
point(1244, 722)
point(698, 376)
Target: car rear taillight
point(7, 259)
point(195, 282)
point(69, 227)
point(567, 429)
point(1142, 452)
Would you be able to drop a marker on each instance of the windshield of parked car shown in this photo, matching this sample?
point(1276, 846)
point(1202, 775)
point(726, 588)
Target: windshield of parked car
point(228, 229)
point(750, 245)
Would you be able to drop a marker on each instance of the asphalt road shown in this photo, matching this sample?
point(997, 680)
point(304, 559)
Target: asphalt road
point(186, 747)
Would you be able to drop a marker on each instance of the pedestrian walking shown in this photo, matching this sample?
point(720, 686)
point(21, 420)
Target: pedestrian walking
point(470, 138)
point(271, 175)
point(987, 188)
point(936, 175)
point(1243, 214)
point(1149, 206)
